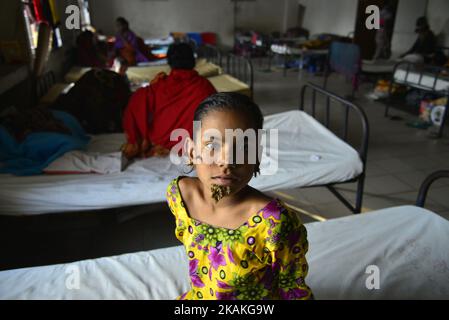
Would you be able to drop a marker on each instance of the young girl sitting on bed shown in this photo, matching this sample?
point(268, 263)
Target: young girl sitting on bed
point(240, 243)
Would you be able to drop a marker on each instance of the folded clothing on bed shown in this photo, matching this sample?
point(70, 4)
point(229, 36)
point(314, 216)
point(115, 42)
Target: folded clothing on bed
point(34, 151)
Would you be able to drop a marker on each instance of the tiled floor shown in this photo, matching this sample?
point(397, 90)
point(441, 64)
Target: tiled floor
point(399, 159)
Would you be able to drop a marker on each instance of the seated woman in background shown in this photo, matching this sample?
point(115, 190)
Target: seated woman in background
point(129, 46)
point(425, 49)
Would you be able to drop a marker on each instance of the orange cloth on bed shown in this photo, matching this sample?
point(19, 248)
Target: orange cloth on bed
point(153, 112)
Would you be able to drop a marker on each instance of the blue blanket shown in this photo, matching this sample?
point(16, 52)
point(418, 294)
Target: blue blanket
point(38, 150)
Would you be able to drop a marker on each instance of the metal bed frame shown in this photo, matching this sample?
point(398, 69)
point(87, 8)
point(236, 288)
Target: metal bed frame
point(422, 70)
point(241, 68)
point(41, 86)
point(210, 53)
point(424, 189)
point(362, 149)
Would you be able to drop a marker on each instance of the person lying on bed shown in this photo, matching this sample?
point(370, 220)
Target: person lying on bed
point(169, 103)
point(97, 100)
point(240, 243)
point(33, 138)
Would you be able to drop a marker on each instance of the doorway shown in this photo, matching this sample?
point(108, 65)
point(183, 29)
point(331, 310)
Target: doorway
point(365, 38)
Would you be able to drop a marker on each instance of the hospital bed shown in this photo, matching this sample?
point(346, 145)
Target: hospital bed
point(374, 70)
point(240, 68)
point(239, 77)
point(309, 154)
point(147, 73)
point(210, 53)
point(235, 74)
point(395, 253)
point(227, 83)
point(288, 53)
point(327, 115)
point(427, 78)
point(221, 83)
point(379, 67)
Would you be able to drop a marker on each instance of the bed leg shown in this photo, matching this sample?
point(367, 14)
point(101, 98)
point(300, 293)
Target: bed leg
point(443, 120)
point(387, 105)
point(326, 76)
point(390, 92)
point(359, 194)
point(345, 202)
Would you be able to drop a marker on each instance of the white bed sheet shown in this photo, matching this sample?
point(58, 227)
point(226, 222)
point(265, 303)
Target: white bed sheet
point(287, 50)
point(309, 154)
point(428, 80)
point(409, 245)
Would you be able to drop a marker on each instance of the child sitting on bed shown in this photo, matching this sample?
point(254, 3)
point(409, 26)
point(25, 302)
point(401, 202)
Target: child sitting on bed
point(240, 243)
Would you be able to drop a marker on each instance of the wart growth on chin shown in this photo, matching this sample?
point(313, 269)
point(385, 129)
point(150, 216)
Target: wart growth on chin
point(219, 192)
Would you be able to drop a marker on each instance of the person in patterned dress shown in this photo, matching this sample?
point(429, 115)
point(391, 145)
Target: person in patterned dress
point(242, 245)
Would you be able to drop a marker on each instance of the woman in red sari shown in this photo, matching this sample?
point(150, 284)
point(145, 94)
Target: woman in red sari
point(169, 103)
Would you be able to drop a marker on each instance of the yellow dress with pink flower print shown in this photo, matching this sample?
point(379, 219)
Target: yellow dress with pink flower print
point(264, 259)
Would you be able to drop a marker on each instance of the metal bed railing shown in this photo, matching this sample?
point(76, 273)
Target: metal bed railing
point(362, 149)
point(210, 53)
point(424, 189)
point(422, 71)
point(241, 68)
point(43, 85)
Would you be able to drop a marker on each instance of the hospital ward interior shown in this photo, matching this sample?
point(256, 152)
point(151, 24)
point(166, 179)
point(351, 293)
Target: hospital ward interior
point(348, 194)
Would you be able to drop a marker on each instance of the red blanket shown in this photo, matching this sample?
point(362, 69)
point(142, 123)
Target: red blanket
point(169, 103)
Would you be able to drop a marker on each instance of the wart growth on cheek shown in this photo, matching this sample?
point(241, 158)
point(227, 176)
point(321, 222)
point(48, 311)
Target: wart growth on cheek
point(219, 192)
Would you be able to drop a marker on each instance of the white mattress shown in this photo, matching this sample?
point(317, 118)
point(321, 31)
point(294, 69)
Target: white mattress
point(427, 80)
point(309, 154)
point(409, 245)
point(285, 49)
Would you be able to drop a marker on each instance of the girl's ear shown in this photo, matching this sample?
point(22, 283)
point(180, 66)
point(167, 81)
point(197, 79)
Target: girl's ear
point(189, 147)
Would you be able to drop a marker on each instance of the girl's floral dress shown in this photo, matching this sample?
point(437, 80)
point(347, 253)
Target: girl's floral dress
point(262, 259)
